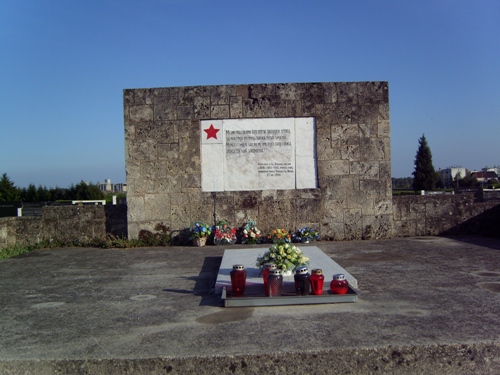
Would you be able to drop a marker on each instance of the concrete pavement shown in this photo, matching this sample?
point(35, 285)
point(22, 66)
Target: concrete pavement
point(426, 305)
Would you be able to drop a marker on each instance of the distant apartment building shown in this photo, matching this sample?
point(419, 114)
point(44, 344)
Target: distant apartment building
point(448, 175)
point(108, 187)
point(486, 174)
point(495, 169)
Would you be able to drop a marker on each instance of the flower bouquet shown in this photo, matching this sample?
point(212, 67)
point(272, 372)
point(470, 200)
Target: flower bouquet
point(251, 235)
point(305, 235)
point(279, 235)
point(199, 231)
point(285, 255)
point(224, 233)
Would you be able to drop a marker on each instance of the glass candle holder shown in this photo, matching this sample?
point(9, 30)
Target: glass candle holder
point(339, 284)
point(265, 273)
point(275, 283)
point(238, 280)
point(301, 278)
point(317, 280)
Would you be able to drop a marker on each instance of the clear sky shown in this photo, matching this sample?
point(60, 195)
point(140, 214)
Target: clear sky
point(64, 65)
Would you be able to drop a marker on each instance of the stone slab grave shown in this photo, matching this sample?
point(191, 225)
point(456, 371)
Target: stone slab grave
point(254, 291)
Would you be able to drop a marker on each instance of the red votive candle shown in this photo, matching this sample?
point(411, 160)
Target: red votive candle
point(265, 273)
point(275, 283)
point(339, 284)
point(238, 280)
point(317, 280)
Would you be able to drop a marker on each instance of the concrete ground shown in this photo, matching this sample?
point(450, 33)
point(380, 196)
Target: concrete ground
point(427, 305)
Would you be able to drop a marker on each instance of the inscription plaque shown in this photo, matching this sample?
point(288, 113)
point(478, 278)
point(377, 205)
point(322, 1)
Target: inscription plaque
point(258, 154)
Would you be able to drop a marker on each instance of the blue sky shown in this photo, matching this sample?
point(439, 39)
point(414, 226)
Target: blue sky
point(64, 65)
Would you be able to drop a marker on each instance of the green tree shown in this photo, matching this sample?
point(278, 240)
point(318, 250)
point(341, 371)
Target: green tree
point(42, 194)
point(424, 176)
point(457, 178)
point(8, 191)
point(29, 194)
point(84, 191)
point(57, 193)
point(402, 183)
point(468, 181)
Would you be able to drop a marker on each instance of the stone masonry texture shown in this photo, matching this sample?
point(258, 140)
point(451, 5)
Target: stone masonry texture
point(163, 167)
point(413, 215)
point(65, 223)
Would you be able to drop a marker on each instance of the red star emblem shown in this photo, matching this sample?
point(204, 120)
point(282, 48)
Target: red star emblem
point(211, 132)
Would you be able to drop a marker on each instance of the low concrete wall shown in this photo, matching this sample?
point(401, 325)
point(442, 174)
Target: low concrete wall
point(67, 223)
point(414, 215)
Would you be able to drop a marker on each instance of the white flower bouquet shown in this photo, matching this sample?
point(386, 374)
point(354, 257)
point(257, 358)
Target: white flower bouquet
point(286, 256)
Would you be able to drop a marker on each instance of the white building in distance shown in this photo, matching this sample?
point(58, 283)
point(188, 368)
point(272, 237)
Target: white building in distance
point(108, 187)
point(449, 174)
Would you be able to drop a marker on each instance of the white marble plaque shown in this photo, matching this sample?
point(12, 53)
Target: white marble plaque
point(258, 154)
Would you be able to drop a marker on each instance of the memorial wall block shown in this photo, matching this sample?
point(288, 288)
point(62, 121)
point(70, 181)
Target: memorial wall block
point(288, 155)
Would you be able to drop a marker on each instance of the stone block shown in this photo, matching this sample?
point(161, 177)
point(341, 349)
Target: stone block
point(351, 152)
point(290, 92)
point(330, 92)
point(309, 210)
point(188, 129)
point(139, 114)
point(347, 92)
point(144, 149)
point(189, 155)
point(347, 134)
point(332, 231)
point(366, 114)
point(353, 224)
point(248, 201)
point(167, 131)
point(313, 95)
point(185, 112)
point(333, 167)
point(242, 216)
point(179, 199)
point(360, 199)
point(235, 107)
point(158, 206)
point(327, 147)
point(191, 181)
point(168, 151)
point(201, 108)
point(333, 210)
point(374, 149)
point(219, 111)
point(373, 92)
point(169, 184)
point(136, 212)
point(129, 132)
point(143, 186)
point(377, 227)
point(383, 206)
point(276, 214)
point(221, 94)
point(368, 129)
point(366, 170)
point(180, 217)
point(165, 108)
point(339, 185)
point(154, 169)
point(259, 91)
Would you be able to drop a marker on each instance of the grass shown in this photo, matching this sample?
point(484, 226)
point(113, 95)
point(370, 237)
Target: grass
point(104, 243)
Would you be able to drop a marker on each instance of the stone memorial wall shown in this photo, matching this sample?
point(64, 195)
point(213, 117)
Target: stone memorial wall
point(285, 155)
